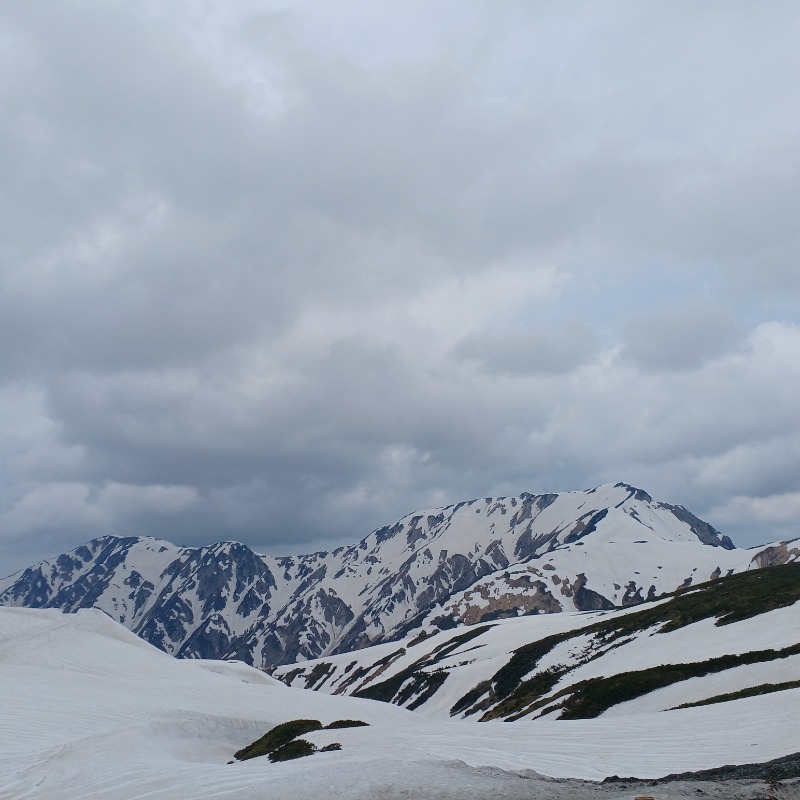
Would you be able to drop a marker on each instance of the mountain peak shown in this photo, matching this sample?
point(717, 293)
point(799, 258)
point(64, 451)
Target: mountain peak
point(476, 560)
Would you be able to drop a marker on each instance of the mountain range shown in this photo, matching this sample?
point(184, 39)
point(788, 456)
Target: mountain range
point(473, 562)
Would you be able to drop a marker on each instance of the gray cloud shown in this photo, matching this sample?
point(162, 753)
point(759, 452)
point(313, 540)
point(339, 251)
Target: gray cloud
point(682, 338)
point(282, 275)
point(522, 353)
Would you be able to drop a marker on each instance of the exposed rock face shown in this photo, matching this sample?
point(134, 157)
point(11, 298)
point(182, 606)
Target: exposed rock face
point(525, 596)
point(705, 532)
point(471, 562)
point(780, 553)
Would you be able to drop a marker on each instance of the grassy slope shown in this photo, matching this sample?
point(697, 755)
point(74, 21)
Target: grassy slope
point(730, 599)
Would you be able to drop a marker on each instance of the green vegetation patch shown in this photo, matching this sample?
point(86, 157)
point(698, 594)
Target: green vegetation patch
point(297, 748)
point(363, 671)
point(386, 690)
point(471, 698)
point(533, 694)
point(318, 674)
point(401, 687)
point(414, 679)
point(736, 597)
point(282, 744)
point(346, 723)
point(424, 685)
point(590, 698)
point(750, 691)
point(507, 684)
point(455, 642)
point(420, 637)
point(523, 661)
point(278, 737)
point(729, 599)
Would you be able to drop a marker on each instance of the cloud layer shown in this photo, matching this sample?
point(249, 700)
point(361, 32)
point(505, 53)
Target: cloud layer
point(284, 273)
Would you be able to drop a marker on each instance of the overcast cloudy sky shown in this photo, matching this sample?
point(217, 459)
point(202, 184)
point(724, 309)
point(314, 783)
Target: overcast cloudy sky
point(284, 271)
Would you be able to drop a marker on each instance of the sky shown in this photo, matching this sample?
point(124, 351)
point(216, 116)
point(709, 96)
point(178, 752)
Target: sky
point(283, 272)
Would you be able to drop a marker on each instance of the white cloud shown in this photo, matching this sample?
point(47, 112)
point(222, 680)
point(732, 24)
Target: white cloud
point(777, 513)
point(45, 509)
point(496, 298)
point(777, 508)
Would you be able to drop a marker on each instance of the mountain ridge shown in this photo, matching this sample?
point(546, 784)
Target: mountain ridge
point(735, 636)
point(610, 546)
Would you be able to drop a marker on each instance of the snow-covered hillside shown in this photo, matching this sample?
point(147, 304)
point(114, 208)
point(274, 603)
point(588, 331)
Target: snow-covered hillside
point(90, 711)
point(471, 562)
point(730, 635)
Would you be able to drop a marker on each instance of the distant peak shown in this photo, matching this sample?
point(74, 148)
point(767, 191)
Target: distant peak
point(638, 494)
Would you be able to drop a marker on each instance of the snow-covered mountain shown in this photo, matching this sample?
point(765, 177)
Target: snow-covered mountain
point(737, 636)
point(476, 561)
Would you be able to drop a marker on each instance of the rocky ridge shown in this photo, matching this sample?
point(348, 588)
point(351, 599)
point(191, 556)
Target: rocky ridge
point(475, 561)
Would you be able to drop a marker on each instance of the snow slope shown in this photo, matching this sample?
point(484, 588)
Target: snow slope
point(91, 711)
point(530, 667)
point(474, 561)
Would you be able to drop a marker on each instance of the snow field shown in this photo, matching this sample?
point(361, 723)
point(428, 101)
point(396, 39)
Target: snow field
point(90, 711)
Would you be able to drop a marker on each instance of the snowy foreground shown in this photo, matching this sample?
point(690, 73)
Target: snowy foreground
point(91, 711)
